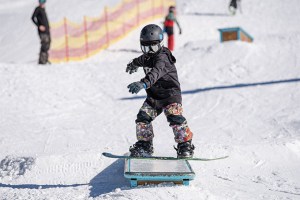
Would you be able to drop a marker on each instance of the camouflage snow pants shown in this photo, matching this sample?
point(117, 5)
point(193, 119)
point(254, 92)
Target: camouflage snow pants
point(45, 46)
point(173, 112)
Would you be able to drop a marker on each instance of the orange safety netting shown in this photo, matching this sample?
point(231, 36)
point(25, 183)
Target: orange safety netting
point(72, 41)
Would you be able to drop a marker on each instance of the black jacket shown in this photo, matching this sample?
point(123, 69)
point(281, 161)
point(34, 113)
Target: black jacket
point(39, 17)
point(233, 3)
point(161, 77)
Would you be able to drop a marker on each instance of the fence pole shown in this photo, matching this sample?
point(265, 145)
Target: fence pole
point(153, 6)
point(66, 39)
point(162, 7)
point(138, 12)
point(123, 20)
point(106, 26)
point(86, 37)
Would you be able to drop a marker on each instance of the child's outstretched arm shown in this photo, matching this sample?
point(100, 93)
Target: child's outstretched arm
point(133, 65)
point(135, 87)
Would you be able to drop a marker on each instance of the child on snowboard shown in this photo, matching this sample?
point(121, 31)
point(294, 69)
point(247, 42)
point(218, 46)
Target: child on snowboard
point(163, 94)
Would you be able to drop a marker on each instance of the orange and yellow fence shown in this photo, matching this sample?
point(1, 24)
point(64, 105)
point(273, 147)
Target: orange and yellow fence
point(72, 41)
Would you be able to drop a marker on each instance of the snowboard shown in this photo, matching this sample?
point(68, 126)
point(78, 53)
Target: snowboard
point(110, 155)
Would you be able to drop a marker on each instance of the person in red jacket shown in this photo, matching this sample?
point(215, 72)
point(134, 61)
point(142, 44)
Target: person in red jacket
point(169, 26)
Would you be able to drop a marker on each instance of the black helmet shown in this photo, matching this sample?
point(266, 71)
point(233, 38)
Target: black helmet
point(151, 39)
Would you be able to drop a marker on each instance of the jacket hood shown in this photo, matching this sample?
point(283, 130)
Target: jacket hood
point(171, 58)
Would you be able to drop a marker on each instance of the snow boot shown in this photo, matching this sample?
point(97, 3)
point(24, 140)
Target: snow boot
point(141, 149)
point(185, 149)
point(43, 58)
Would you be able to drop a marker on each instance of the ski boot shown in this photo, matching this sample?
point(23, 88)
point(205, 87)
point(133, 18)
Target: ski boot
point(141, 149)
point(185, 149)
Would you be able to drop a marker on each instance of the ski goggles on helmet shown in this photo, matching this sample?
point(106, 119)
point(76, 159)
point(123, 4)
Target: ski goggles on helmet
point(151, 48)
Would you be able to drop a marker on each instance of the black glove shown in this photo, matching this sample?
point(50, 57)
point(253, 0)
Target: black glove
point(133, 66)
point(135, 87)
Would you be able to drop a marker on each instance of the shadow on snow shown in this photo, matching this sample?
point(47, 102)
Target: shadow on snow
point(240, 85)
point(210, 14)
point(106, 181)
point(109, 179)
point(34, 186)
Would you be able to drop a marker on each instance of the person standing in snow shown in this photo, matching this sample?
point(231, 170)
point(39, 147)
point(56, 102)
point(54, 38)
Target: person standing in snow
point(234, 5)
point(169, 26)
point(40, 19)
point(163, 95)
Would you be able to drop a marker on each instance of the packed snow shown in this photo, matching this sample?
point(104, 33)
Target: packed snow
point(240, 99)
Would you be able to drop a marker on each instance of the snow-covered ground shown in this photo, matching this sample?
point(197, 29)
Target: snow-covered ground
point(240, 99)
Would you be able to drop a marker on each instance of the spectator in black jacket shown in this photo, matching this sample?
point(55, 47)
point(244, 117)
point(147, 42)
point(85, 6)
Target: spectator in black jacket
point(163, 94)
point(40, 19)
point(234, 5)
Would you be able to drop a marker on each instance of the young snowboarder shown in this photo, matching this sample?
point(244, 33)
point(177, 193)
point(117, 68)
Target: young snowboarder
point(40, 19)
point(169, 26)
point(163, 94)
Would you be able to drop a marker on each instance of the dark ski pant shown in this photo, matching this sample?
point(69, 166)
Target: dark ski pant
point(45, 46)
point(173, 112)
